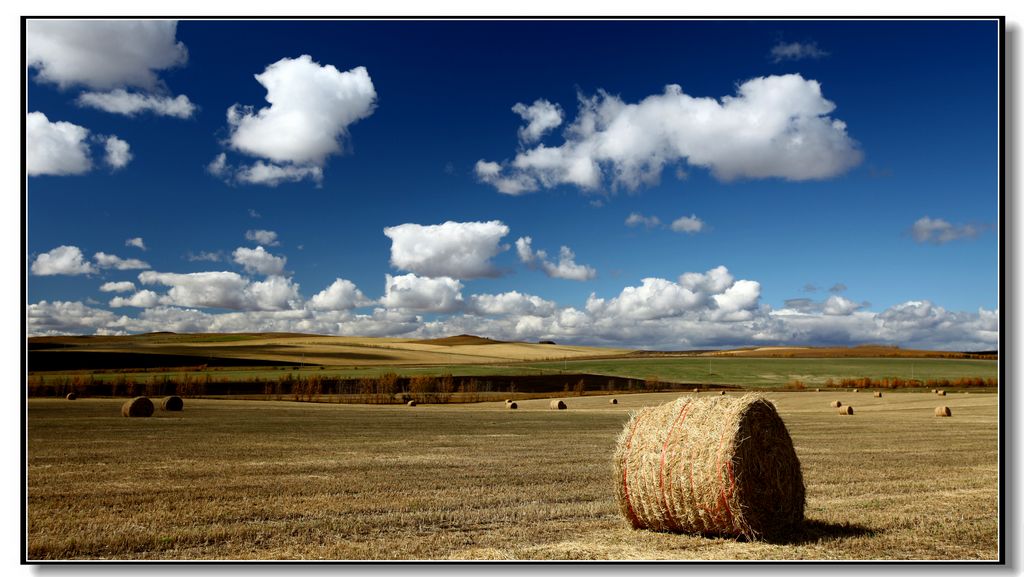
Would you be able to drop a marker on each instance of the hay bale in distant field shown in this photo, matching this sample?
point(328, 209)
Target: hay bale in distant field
point(696, 390)
point(878, 394)
point(836, 404)
point(511, 405)
point(71, 396)
point(137, 407)
point(943, 411)
point(557, 404)
point(507, 401)
point(941, 393)
point(847, 410)
point(722, 393)
point(613, 401)
point(411, 404)
point(172, 403)
point(935, 390)
point(856, 390)
point(817, 390)
point(709, 465)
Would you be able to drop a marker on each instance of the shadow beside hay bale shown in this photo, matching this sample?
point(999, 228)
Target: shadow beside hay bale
point(137, 407)
point(749, 485)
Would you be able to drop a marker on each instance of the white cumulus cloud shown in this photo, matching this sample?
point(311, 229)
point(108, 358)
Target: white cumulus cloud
point(64, 259)
point(688, 224)
point(104, 260)
point(127, 103)
point(636, 219)
point(223, 289)
point(117, 287)
point(118, 152)
point(259, 261)
point(103, 54)
point(452, 249)
point(939, 231)
point(143, 299)
point(773, 127)
point(511, 303)
point(565, 268)
point(796, 51)
point(341, 295)
point(311, 107)
point(137, 242)
point(262, 236)
point(424, 294)
point(55, 148)
point(541, 116)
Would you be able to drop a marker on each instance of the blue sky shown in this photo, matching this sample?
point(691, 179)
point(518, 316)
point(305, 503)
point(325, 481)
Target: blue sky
point(844, 174)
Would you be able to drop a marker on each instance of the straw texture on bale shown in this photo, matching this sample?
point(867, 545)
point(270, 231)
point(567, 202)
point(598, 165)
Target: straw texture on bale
point(137, 407)
point(172, 403)
point(943, 412)
point(411, 403)
point(710, 465)
point(836, 404)
point(557, 404)
point(511, 405)
point(613, 402)
point(942, 393)
point(847, 410)
point(71, 396)
point(878, 394)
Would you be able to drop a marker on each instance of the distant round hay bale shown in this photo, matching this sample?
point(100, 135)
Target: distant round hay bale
point(613, 401)
point(847, 410)
point(878, 394)
point(507, 401)
point(941, 393)
point(71, 396)
point(943, 411)
point(856, 390)
point(836, 404)
point(137, 407)
point(511, 405)
point(696, 390)
point(935, 390)
point(557, 404)
point(722, 393)
point(172, 403)
point(709, 465)
point(817, 390)
point(411, 404)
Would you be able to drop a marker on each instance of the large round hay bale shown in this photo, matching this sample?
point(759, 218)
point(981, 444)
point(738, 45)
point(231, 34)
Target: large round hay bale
point(941, 393)
point(878, 394)
point(836, 404)
point(411, 404)
point(71, 396)
point(511, 405)
point(709, 465)
point(943, 411)
point(137, 407)
point(172, 403)
point(613, 401)
point(847, 410)
point(557, 404)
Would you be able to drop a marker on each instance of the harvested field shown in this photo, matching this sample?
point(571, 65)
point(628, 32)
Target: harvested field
point(310, 481)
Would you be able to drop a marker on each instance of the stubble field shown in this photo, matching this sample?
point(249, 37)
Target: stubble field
point(281, 480)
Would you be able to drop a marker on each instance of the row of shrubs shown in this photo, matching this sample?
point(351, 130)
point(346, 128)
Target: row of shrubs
point(899, 383)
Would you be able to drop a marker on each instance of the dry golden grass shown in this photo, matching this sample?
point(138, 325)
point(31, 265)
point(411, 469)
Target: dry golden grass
point(279, 480)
